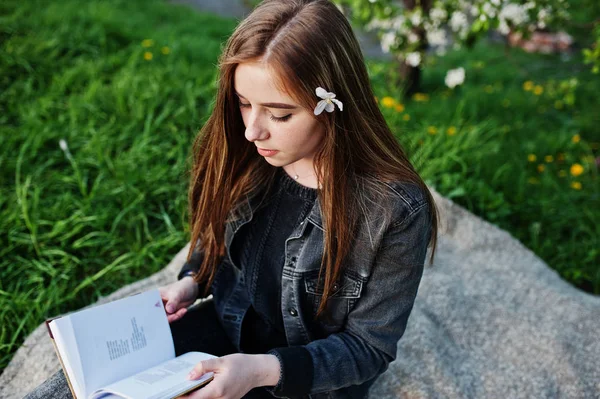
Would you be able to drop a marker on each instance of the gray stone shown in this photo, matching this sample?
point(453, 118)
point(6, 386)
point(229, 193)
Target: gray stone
point(491, 320)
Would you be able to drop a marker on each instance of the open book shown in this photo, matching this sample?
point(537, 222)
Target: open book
point(123, 349)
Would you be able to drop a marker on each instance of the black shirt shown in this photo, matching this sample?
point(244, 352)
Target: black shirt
point(260, 244)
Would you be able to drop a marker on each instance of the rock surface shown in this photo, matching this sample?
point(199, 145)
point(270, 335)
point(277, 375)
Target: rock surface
point(491, 320)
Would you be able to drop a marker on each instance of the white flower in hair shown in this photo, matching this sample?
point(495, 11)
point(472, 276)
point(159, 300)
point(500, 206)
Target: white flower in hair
point(327, 102)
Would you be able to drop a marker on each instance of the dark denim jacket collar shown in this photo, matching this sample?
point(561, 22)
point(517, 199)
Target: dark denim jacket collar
point(244, 212)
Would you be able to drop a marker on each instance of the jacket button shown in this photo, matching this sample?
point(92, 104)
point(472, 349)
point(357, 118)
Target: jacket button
point(335, 287)
point(293, 312)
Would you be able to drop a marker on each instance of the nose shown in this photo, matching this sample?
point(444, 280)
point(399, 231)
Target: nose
point(255, 128)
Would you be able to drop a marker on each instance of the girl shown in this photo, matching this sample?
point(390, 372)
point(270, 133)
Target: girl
point(310, 226)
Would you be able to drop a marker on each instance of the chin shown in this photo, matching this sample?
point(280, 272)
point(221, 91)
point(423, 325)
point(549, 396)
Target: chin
point(274, 162)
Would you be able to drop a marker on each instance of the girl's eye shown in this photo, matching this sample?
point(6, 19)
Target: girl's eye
point(273, 118)
point(282, 119)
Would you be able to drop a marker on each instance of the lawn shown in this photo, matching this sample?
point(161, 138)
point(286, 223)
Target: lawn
point(100, 101)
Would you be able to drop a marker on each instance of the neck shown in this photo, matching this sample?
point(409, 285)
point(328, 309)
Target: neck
point(305, 177)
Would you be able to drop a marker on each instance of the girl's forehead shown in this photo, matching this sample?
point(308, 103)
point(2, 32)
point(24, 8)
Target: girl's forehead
point(258, 82)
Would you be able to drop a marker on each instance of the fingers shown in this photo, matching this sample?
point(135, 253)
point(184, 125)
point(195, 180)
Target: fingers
point(170, 298)
point(177, 315)
point(210, 391)
point(204, 367)
point(171, 305)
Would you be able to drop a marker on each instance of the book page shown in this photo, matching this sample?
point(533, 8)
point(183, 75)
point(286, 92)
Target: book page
point(64, 339)
point(165, 381)
point(121, 338)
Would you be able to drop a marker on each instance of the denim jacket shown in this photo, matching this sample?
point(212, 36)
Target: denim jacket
point(371, 302)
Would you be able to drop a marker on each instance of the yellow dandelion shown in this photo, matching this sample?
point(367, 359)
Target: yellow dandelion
point(576, 169)
point(506, 103)
point(451, 131)
point(147, 43)
point(538, 90)
point(531, 158)
point(562, 173)
point(406, 117)
point(432, 130)
point(165, 50)
point(558, 104)
point(147, 56)
point(548, 158)
point(399, 107)
point(541, 167)
point(388, 102)
point(489, 89)
point(576, 138)
point(576, 185)
point(528, 86)
point(533, 180)
point(421, 97)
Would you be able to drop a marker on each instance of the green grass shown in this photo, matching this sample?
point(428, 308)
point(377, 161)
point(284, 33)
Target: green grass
point(75, 228)
point(78, 225)
point(498, 125)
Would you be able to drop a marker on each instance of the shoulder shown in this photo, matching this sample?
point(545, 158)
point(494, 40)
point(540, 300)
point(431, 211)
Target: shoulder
point(411, 195)
point(392, 203)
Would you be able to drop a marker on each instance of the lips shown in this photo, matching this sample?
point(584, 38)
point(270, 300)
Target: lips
point(266, 153)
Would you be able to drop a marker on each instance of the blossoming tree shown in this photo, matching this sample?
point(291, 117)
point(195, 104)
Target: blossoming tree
point(408, 28)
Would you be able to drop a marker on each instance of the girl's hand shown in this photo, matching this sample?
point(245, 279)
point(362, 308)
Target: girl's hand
point(178, 296)
point(235, 375)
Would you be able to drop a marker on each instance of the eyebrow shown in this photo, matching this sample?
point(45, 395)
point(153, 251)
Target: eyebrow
point(271, 105)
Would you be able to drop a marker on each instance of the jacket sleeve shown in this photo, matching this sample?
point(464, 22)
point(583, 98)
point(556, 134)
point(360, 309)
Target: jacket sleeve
point(193, 265)
point(368, 342)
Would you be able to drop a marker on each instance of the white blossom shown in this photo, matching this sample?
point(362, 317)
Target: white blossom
point(62, 143)
point(438, 15)
point(398, 23)
point(413, 37)
point(458, 21)
point(415, 17)
point(455, 77)
point(543, 16)
point(489, 10)
point(514, 13)
point(413, 59)
point(437, 37)
point(503, 27)
point(327, 102)
point(378, 24)
point(388, 39)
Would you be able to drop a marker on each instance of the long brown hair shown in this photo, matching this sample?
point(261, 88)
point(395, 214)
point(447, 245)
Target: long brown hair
point(307, 43)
